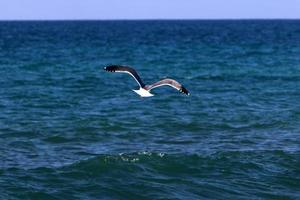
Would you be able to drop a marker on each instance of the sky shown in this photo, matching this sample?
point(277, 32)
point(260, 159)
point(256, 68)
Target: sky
point(148, 9)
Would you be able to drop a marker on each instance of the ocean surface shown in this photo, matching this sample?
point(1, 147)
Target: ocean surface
point(70, 130)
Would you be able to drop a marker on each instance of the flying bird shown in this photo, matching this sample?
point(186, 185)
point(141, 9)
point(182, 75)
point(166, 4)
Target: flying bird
point(144, 90)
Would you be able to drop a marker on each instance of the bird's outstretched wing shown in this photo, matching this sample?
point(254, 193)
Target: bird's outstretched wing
point(168, 82)
point(125, 69)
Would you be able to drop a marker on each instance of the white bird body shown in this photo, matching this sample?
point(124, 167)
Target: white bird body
point(143, 93)
point(144, 90)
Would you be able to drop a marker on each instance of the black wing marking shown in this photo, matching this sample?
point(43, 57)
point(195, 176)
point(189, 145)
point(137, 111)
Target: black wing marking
point(125, 69)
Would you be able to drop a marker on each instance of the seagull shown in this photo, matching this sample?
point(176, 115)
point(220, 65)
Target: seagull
point(144, 90)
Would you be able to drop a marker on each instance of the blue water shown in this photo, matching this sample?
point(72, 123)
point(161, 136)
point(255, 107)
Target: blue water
point(70, 130)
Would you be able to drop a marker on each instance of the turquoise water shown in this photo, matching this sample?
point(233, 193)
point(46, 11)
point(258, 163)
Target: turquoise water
point(69, 130)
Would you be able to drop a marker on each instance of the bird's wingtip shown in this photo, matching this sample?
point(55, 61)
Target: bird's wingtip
point(110, 68)
point(184, 91)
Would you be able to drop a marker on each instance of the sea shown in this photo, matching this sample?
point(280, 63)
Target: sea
point(70, 130)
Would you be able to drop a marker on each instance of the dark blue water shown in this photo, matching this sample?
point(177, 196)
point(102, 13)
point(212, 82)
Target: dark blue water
point(69, 130)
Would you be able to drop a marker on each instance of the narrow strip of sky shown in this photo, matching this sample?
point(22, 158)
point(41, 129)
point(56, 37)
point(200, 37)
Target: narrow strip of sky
point(148, 9)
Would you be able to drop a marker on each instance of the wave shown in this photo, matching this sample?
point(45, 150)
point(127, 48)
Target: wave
point(153, 174)
point(243, 77)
